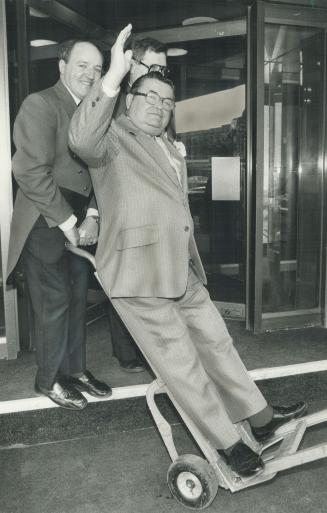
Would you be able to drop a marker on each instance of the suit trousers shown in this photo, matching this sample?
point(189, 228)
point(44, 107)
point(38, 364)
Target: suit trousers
point(123, 345)
point(57, 282)
point(187, 344)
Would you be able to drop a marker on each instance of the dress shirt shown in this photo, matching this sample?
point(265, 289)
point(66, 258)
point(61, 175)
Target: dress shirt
point(173, 162)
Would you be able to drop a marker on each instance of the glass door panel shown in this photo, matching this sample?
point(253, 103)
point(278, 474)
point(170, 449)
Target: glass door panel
point(293, 186)
point(210, 122)
point(289, 185)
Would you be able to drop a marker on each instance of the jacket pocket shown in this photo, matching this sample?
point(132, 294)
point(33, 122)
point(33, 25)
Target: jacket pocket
point(138, 236)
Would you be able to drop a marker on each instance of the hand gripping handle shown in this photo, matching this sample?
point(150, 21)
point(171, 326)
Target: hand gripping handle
point(81, 252)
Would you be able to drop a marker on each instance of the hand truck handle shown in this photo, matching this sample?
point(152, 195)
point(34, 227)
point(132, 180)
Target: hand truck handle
point(80, 252)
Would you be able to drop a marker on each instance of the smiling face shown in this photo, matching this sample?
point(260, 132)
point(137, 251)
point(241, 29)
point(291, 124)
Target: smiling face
point(151, 119)
point(82, 68)
point(149, 58)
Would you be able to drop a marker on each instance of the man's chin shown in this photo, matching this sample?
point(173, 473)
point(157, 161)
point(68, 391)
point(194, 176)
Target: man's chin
point(83, 91)
point(154, 131)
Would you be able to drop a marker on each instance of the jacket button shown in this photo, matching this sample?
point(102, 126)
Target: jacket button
point(186, 229)
point(85, 188)
point(93, 104)
point(80, 171)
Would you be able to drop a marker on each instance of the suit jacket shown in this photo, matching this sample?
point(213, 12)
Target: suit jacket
point(46, 170)
point(146, 232)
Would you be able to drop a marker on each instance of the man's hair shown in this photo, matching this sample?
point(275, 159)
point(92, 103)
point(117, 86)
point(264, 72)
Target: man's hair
point(140, 46)
point(153, 74)
point(66, 48)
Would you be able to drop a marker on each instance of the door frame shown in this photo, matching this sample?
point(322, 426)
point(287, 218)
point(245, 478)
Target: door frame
point(9, 344)
point(258, 15)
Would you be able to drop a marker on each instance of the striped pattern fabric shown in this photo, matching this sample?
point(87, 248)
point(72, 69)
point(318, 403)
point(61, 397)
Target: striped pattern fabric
point(143, 261)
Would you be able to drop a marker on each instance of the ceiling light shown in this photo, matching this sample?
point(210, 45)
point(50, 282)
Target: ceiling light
point(198, 19)
point(42, 42)
point(37, 14)
point(176, 52)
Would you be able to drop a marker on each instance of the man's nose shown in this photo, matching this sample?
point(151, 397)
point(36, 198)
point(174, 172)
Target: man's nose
point(159, 103)
point(90, 73)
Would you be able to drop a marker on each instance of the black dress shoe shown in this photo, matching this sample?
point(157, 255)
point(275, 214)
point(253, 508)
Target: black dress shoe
point(281, 415)
point(132, 366)
point(243, 460)
point(89, 384)
point(65, 396)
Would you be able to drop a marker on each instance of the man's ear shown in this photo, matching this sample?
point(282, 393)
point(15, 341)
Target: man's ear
point(62, 65)
point(129, 98)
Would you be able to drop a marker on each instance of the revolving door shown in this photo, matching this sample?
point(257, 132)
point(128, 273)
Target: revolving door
point(286, 280)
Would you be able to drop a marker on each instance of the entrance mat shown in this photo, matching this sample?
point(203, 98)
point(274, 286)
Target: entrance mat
point(56, 424)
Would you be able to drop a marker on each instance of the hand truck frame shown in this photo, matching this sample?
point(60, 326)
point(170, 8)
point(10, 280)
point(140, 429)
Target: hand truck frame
point(194, 481)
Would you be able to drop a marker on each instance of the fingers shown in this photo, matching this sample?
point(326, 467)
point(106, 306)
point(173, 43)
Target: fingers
point(82, 237)
point(86, 239)
point(87, 242)
point(124, 34)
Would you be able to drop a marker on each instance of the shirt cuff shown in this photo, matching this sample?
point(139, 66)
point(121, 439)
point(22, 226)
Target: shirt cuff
point(68, 224)
point(92, 212)
point(110, 92)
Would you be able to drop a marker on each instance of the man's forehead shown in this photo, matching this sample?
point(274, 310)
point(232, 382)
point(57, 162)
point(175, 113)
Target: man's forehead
point(151, 84)
point(151, 57)
point(86, 51)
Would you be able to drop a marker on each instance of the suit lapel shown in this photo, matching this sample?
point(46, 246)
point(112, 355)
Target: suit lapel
point(65, 97)
point(158, 155)
point(151, 147)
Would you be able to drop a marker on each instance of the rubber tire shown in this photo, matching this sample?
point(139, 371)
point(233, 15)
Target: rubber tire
point(203, 473)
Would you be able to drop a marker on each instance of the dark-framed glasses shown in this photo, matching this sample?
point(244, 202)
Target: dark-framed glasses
point(153, 98)
point(154, 67)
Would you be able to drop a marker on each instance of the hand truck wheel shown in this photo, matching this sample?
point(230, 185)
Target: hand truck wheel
point(192, 481)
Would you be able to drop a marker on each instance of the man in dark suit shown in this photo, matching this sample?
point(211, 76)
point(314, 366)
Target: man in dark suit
point(149, 265)
point(148, 55)
point(53, 197)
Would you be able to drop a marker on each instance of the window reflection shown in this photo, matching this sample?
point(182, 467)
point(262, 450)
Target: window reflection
point(210, 121)
point(292, 172)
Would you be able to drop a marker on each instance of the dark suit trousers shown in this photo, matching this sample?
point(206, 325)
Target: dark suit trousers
point(123, 346)
point(57, 282)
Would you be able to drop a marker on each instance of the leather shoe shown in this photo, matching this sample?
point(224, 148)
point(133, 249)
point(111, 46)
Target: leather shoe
point(65, 396)
point(132, 366)
point(89, 384)
point(243, 460)
point(281, 415)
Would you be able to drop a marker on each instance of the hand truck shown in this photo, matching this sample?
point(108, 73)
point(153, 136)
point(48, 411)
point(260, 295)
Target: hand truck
point(193, 480)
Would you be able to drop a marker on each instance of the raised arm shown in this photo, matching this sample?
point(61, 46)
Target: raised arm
point(88, 134)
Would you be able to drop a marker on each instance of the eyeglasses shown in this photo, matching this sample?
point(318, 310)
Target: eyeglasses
point(153, 98)
point(154, 67)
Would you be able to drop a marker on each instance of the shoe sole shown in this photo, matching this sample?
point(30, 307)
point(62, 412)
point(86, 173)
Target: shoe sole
point(133, 371)
point(297, 416)
point(250, 476)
